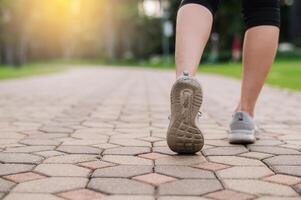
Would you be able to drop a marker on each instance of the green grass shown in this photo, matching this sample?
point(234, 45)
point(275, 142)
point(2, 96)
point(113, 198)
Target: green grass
point(284, 74)
point(37, 69)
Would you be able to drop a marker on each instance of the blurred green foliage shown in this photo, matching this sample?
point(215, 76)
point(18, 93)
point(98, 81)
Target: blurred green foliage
point(110, 30)
point(284, 74)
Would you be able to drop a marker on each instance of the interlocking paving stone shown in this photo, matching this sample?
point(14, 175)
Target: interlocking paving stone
point(144, 131)
point(128, 197)
point(131, 125)
point(81, 194)
point(62, 170)
point(23, 177)
point(258, 187)
point(5, 185)
point(106, 146)
point(290, 170)
point(154, 178)
point(71, 159)
point(296, 142)
point(130, 142)
point(181, 198)
point(114, 132)
point(89, 135)
point(84, 142)
point(244, 172)
point(291, 146)
point(126, 151)
point(234, 160)
point(6, 169)
point(162, 143)
point(22, 158)
point(256, 155)
point(79, 149)
point(180, 160)
point(211, 166)
point(283, 179)
point(129, 135)
point(284, 160)
point(230, 195)
point(48, 136)
point(51, 185)
point(183, 172)
point(163, 150)
point(29, 149)
point(96, 164)
point(31, 196)
point(47, 154)
point(290, 137)
point(297, 188)
point(11, 135)
point(264, 142)
point(188, 187)
point(123, 171)
point(218, 143)
point(277, 198)
point(40, 142)
point(56, 129)
point(120, 186)
point(127, 160)
point(151, 139)
point(274, 150)
point(214, 136)
point(97, 124)
point(152, 156)
point(227, 151)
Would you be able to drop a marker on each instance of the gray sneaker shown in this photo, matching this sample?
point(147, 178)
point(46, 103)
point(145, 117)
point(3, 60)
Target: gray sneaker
point(184, 135)
point(242, 129)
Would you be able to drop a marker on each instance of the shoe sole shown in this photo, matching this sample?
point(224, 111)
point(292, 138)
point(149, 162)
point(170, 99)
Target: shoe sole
point(242, 137)
point(183, 135)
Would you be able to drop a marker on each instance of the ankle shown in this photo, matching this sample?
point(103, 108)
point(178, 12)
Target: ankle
point(246, 110)
point(189, 72)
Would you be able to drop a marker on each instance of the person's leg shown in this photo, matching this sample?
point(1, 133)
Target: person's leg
point(261, 40)
point(193, 29)
point(194, 22)
point(259, 52)
point(260, 46)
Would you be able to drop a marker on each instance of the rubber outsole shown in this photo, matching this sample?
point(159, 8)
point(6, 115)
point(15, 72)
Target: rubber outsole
point(183, 135)
point(242, 137)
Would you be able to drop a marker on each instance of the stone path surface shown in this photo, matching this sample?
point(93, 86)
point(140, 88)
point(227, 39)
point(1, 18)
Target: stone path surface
point(99, 133)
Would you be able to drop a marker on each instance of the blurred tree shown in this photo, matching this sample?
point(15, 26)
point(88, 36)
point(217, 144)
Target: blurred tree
point(13, 33)
point(294, 32)
point(229, 22)
point(113, 30)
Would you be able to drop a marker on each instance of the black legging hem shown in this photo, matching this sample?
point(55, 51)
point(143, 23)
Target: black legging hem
point(255, 12)
point(212, 7)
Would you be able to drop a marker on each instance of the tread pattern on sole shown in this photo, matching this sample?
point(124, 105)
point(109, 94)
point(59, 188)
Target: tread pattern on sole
point(183, 135)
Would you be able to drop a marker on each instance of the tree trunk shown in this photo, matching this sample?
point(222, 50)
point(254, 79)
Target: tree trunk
point(295, 22)
point(110, 34)
point(20, 51)
point(7, 53)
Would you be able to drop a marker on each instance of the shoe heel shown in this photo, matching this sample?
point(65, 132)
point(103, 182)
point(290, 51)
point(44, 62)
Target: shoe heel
point(183, 135)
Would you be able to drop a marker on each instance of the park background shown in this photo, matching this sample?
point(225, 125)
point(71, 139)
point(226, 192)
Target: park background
point(46, 36)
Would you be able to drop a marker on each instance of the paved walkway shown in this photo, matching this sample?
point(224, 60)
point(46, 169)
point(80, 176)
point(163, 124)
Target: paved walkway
point(99, 133)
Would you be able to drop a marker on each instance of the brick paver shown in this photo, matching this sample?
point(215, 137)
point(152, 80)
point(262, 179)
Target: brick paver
point(154, 179)
point(99, 133)
point(22, 177)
